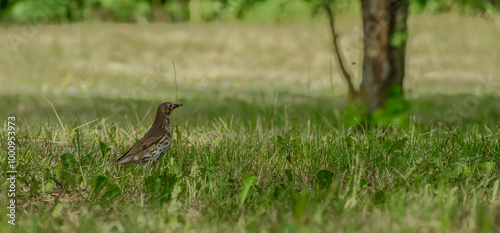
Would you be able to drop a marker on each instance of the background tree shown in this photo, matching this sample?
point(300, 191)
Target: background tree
point(180, 10)
point(385, 34)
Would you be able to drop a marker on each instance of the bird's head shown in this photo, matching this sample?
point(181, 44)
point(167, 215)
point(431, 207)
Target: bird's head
point(167, 107)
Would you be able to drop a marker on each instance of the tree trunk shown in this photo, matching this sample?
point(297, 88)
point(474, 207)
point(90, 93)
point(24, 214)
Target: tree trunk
point(385, 33)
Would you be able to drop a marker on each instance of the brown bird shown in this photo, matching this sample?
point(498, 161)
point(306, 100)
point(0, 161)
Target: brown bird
point(151, 147)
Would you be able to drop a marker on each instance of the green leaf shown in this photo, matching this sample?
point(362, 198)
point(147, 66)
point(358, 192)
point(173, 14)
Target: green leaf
point(103, 147)
point(151, 184)
point(281, 142)
point(487, 167)
point(248, 181)
point(57, 209)
point(347, 140)
point(324, 178)
point(391, 146)
point(379, 196)
point(355, 114)
point(399, 182)
point(67, 160)
point(166, 186)
point(161, 187)
point(299, 205)
point(461, 170)
point(362, 183)
point(289, 175)
point(99, 184)
point(49, 186)
point(399, 144)
point(110, 195)
point(395, 111)
point(398, 39)
point(278, 190)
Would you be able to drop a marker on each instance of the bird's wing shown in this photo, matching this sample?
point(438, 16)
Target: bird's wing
point(131, 158)
point(138, 150)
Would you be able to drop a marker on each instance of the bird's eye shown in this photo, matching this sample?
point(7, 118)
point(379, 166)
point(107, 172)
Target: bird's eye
point(170, 105)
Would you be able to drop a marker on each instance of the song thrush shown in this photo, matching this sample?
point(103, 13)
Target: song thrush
point(151, 147)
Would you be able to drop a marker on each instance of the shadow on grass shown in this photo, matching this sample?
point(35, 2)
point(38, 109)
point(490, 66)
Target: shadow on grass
point(254, 109)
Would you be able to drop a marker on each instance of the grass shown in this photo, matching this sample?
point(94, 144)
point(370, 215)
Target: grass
point(438, 180)
point(262, 143)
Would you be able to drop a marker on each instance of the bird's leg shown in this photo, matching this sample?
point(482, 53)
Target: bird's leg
point(145, 166)
point(154, 166)
point(150, 164)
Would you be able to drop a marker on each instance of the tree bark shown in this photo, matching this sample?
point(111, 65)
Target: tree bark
point(385, 33)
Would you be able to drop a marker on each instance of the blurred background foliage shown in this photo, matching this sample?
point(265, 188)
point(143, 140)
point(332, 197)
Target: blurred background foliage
point(61, 11)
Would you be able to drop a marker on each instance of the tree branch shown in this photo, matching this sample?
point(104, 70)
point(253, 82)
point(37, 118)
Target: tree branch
point(351, 90)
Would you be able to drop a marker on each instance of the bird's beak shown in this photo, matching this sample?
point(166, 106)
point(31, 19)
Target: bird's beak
point(177, 105)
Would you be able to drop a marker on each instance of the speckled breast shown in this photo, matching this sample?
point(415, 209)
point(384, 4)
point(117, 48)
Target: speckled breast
point(159, 151)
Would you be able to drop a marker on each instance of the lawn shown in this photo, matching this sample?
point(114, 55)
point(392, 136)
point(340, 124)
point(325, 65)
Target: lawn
point(265, 141)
